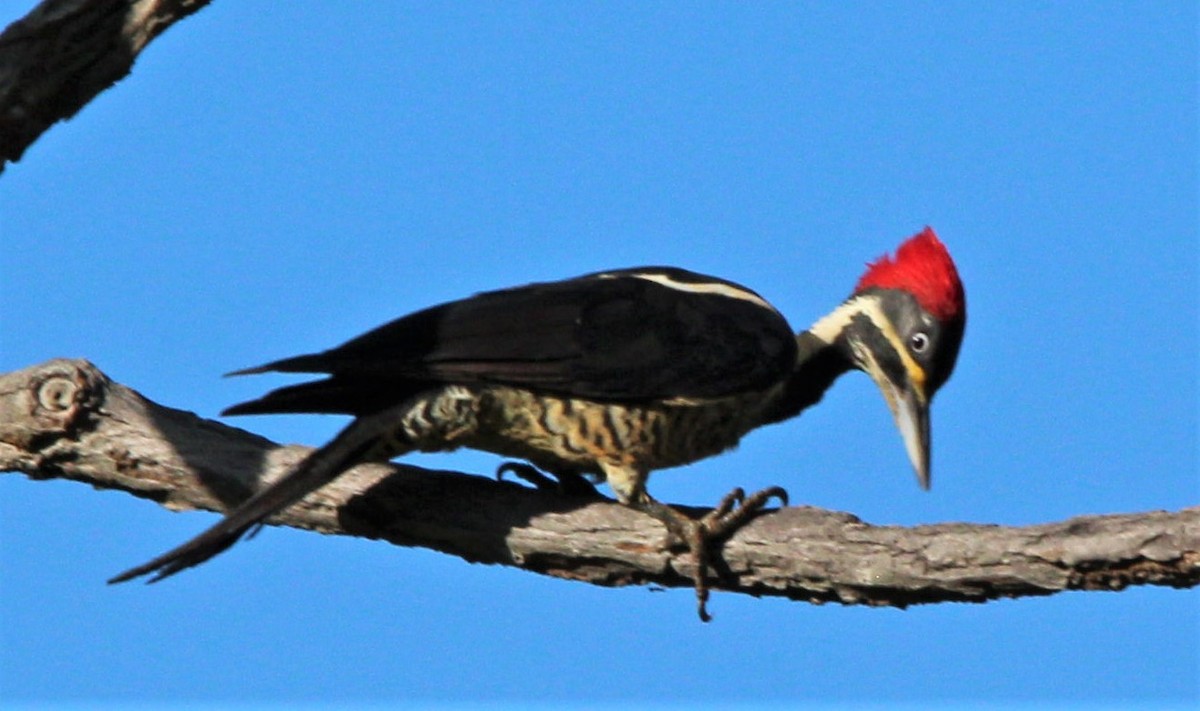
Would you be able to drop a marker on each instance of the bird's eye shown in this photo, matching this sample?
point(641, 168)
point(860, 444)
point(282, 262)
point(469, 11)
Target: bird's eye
point(918, 342)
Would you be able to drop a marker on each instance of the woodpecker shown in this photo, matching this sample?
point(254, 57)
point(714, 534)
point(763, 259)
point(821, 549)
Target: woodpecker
point(611, 375)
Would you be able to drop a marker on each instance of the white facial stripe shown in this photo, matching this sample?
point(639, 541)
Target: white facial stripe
point(829, 327)
point(707, 287)
point(872, 308)
point(871, 367)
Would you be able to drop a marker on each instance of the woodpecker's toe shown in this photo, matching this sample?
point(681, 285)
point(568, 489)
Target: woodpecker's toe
point(692, 534)
point(564, 483)
point(736, 510)
point(733, 511)
point(528, 474)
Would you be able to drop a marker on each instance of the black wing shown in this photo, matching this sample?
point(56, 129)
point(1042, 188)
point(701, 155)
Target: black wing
point(629, 335)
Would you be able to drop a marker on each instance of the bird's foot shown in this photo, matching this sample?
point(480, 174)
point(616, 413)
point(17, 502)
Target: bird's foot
point(736, 510)
point(564, 483)
point(733, 511)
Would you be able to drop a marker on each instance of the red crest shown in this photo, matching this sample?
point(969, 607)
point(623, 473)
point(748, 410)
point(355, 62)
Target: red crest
point(923, 268)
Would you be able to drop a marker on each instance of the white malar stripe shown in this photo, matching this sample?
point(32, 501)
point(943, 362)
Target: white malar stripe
point(830, 326)
point(707, 287)
point(828, 329)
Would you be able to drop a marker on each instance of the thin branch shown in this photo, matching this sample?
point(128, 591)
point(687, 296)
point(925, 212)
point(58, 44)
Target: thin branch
point(63, 53)
point(66, 419)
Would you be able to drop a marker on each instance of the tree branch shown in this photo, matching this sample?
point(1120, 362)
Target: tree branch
point(63, 53)
point(66, 419)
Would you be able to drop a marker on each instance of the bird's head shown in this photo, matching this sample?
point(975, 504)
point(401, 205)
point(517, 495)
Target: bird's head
point(903, 326)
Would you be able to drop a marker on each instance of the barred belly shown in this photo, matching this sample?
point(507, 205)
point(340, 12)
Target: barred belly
point(581, 435)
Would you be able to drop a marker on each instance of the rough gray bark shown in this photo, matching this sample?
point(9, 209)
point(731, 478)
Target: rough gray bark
point(66, 419)
point(63, 53)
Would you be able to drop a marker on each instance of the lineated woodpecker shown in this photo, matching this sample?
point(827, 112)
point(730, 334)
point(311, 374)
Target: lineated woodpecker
point(611, 375)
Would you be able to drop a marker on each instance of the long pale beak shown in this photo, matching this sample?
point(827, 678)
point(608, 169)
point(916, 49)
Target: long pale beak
point(912, 417)
point(910, 408)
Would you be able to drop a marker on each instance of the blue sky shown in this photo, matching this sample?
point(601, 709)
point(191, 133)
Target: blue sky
point(275, 178)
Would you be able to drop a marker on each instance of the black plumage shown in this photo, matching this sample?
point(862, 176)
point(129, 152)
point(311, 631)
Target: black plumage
point(612, 336)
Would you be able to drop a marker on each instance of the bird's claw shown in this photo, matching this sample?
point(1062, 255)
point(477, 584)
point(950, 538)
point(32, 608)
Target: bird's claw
point(733, 511)
point(736, 510)
point(528, 474)
point(564, 483)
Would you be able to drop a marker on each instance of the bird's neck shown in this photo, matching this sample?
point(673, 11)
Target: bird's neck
point(823, 355)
